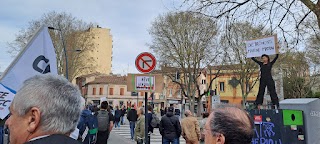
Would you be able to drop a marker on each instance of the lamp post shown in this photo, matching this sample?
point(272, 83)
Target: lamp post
point(64, 48)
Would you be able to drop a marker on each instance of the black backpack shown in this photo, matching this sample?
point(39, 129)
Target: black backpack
point(103, 120)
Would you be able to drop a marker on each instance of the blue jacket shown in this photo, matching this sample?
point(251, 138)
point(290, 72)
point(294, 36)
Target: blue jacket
point(90, 121)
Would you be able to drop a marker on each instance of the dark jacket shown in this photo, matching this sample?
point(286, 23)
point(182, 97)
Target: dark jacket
point(117, 115)
point(265, 69)
point(177, 112)
point(170, 127)
point(162, 112)
point(149, 117)
point(123, 112)
point(54, 139)
point(87, 120)
point(132, 115)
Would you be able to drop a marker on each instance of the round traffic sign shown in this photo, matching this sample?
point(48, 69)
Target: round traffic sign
point(145, 62)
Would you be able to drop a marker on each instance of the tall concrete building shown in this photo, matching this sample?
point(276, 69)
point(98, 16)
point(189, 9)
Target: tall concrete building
point(100, 54)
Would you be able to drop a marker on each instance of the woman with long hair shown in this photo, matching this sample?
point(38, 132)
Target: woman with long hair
point(266, 80)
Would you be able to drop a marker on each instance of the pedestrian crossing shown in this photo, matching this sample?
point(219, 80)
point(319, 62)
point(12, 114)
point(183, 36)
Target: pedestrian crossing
point(156, 138)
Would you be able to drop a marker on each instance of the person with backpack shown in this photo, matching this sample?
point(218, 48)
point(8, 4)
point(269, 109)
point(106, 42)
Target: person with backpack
point(87, 125)
point(105, 123)
point(170, 128)
point(132, 118)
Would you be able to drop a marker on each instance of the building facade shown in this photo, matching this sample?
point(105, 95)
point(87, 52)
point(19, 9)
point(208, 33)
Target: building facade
point(112, 88)
point(100, 55)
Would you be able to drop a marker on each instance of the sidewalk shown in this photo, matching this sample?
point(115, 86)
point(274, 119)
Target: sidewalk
point(117, 139)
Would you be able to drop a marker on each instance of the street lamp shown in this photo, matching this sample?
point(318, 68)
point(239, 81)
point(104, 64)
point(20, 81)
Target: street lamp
point(64, 48)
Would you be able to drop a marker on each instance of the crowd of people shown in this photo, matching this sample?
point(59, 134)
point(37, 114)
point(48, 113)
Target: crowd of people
point(49, 109)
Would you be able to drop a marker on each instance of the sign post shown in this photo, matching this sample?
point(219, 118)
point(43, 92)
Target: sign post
point(145, 63)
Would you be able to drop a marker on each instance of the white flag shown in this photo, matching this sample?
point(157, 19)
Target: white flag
point(6, 97)
point(38, 57)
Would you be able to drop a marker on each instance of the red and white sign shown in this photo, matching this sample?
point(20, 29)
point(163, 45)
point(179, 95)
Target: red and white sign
point(257, 119)
point(145, 62)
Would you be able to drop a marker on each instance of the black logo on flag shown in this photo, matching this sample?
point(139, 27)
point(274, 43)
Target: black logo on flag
point(37, 61)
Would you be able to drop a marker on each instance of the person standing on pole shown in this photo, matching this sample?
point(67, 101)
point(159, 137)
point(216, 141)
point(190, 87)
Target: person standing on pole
point(266, 80)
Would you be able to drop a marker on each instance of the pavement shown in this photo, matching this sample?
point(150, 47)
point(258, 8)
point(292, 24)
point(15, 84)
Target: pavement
point(117, 139)
point(122, 135)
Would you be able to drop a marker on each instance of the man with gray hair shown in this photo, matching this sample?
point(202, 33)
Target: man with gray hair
point(228, 125)
point(45, 110)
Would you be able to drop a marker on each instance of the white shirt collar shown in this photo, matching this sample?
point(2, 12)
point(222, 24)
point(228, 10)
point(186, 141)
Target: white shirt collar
point(39, 137)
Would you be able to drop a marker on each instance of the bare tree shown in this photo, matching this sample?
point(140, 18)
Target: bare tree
point(291, 19)
point(297, 75)
point(77, 39)
point(185, 41)
point(245, 71)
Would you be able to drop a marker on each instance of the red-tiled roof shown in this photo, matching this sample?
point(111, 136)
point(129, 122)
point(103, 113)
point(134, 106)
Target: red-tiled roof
point(111, 79)
point(93, 74)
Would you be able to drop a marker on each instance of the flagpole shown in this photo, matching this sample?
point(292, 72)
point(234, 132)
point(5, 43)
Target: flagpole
point(64, 48)
point(65, 52)
point(21, 52)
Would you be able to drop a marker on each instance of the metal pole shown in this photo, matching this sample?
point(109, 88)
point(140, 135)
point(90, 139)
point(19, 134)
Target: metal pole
point(146, 118)
point(65, 51)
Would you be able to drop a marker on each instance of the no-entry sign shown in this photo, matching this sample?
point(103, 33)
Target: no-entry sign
point(145, 62)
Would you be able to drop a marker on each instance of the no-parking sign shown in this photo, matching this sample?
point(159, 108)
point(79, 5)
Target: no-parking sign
point(145, 62)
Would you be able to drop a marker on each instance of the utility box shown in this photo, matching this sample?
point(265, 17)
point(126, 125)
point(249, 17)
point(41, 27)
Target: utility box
point(311, 111)
point(278, 126)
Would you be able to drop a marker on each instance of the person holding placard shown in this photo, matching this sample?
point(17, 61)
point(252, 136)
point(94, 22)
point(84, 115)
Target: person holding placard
point(266, 80)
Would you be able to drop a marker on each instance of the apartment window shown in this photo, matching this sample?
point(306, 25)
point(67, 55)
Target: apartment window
point(121, 91)
point(110, 91)
point(94, 91)
point(222, 88)
point(170, 92)
point(101, 91)
point(203, 82)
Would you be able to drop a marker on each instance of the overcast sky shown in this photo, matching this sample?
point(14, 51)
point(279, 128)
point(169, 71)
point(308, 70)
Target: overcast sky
point(129, 21)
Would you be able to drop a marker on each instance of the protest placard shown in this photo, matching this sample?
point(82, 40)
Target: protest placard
point(257, 47)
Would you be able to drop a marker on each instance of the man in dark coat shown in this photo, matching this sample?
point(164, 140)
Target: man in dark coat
point(170, 128)
point(132, 118)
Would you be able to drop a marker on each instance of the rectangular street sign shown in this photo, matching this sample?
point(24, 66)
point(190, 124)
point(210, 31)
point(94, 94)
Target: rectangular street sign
point(145, 83)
